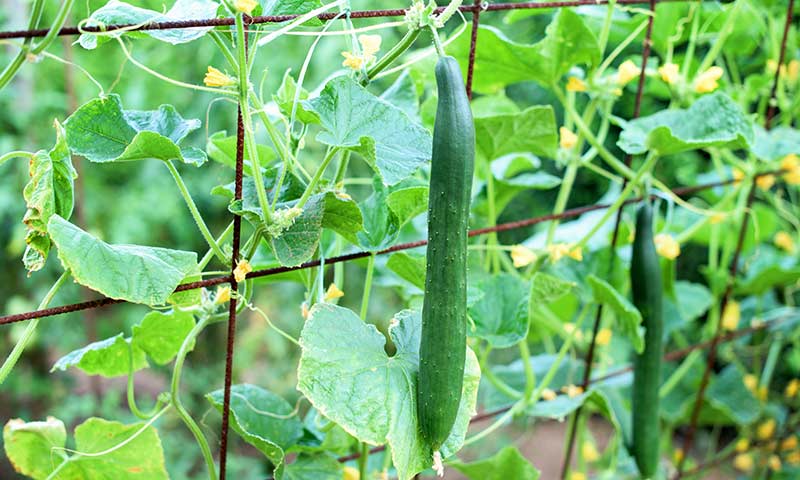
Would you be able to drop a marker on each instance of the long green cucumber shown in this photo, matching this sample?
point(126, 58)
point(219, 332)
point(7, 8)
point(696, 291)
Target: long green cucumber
point(443, 343)
point(647, 296)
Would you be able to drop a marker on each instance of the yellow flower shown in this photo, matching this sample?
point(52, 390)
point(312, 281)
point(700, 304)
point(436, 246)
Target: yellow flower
point(731, 315)
point(626, 72)
point(558, 251)
point(789, 443)
point(743, 462)
point(765, 182)
point(603, 337)
point(223, 295)
point(738, 175)
point(333, 293)
point(790, 162)
point(677, 455)
point(742, 445)
point(774, 463)
point(522, 256)
point(572, 391)
point(784, 241)
point(794, 458)
point(577, 476)
point(793, 177)
point(215, 78)
point(575, 84)
point(793, 71)
point(568, 139)
point(242, 269)
point(548, 395)
point(669, 73)
point(589, 452)
point(353, 62)
point(245, 6)
point(350, 473)
point(304, 310)
point(792, 388)
point(667, 246)
point(766, 429)
point(706, 82)
point(751, 382)
point(370, 45)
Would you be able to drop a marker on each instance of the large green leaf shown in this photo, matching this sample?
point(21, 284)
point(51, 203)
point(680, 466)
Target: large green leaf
point(776, 143)
point(109, 358)
point(354, 119)
point(161, 334)
point(712, 121)
point(626, 314)
point(768, 278)
point(408, 199)
point(403, 95)
point(121, 13)
point(262, 419)
point(346, 374)
point(409, 267)
point(314, 467)
point(49, 191)
point(29, 445)
point(133, 273)
point(500, 61)
point(728, 394)
point(381, 225)
point(530, 131)
point(222, 149)
point(506, 464)
point(548, 288)
point(692, 299)
point(501, 315)
point(102, 131)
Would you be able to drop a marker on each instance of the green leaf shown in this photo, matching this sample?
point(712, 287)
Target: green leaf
point(187, 298)
point(289, 7)
point(403, 95)
point(222, 149)
point(501, 316)
point(262, 419)
point(548, 288)
point(128, 272)
point(506, 464)
point(407, 200)
point(692, 299)
point(776, 143)
point(49, 191)
point(121, 13)
point(354, 119)
point(627, 316)
point(284, 99)
point(728, 394)
point(314, 467)
point(768, 278)
point(102, 131)
point(109, 358)
point(30, 446)
point(161, 334)
point(409, 267)
point(291, 189)
point(530, 131)
point(712, 121)
point(501, 62)
point(346, 374)
point(381, 225)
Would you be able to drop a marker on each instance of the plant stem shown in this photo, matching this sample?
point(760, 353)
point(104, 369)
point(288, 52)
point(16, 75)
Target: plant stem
point(678, 374)
point(55, 27)
point(15, 64)
point(317, 177)
point(15, 154)
point(198, 219)
point(27, 335)
point(437, 42)
point(363, 460)
point(563, 196)
point(367, 287)
point(492, 254)
point(131, 395)
point(724, 32)
point(603, 40)
point(210, 253)
point(530, 375)
point(226, 52)
point(176, 401)
point(399, 48)
point(272, 132)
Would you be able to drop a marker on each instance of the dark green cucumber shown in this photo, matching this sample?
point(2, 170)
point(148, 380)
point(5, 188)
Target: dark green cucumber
point(443, 344)
point(647, 295)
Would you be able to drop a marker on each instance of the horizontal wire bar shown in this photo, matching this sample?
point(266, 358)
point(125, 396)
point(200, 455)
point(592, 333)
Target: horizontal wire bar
point(571, 213)
point(228, 21)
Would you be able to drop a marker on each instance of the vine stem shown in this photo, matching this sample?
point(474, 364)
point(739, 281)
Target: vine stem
point(317, 177)
point(362, 460)
point(399, 48)
point(15, 154)
point(27, 335)
point(198, 219)
point(131, 394)
point(176, 400)
point(12, 68)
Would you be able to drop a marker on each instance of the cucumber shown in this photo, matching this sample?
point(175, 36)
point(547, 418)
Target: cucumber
point(647, 296)
point(443, 344)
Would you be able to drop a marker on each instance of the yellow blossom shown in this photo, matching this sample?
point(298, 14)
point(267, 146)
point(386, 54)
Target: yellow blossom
point(589, 452)
point(350, 473)
point(669, 73)
point(793, 177)
point(568, 139)
point(789, 443)
point(794, 458)
point(792, 388)
point(667, 246)
point(731, 315)
point(784, 241)
point(577, 476)
point(742, 445)
point(793, 71)
point(603, 337)
point(677, 455)
point(333, 293)
point(572, 391)
point(738, 175)
point(774, 463)
point(706, 82)
point(215, 78)
point(304, 310)
point(548, 395)
point(765, 182)
point(223, 295)
point(743, 462)
point(766, 429)
point(575, 84)
point(242, 269)
point(557, 251)
point(354, 62)
point(790, 162)
point(626, 72)
point(522, 256)
point(245, 6)
point(370, 45)
point(751, 382)
point(717, 218)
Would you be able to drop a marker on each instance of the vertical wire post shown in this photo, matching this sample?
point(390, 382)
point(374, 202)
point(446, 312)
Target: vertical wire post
point(587, 372)
point(473, 44)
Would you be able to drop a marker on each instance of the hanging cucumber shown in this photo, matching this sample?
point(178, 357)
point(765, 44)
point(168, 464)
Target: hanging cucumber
point(646, 286)
point(444, 313)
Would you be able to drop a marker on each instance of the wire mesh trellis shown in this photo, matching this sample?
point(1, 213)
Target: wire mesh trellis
point(475, 9)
